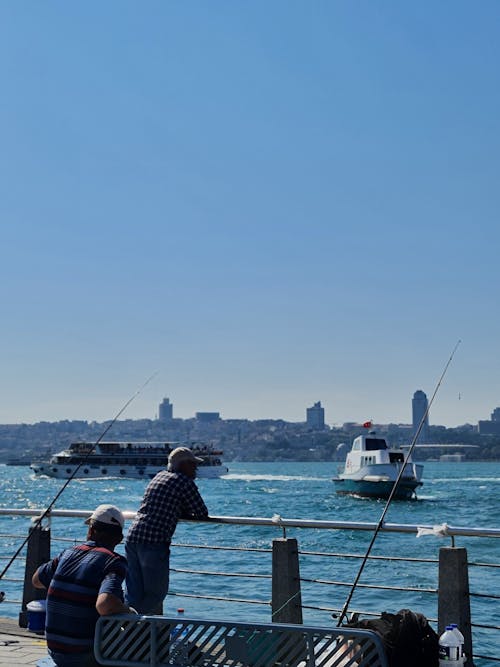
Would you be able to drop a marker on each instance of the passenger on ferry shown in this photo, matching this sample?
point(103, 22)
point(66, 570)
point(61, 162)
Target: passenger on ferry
point(171, 495)
point(83, 582)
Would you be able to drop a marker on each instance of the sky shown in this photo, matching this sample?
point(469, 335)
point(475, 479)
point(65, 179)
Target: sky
point(265, 203)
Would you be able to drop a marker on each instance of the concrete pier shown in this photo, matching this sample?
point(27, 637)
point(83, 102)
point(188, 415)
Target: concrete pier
point(19, 646)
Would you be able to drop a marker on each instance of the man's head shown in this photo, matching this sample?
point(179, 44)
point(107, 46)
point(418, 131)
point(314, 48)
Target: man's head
point(106, 525)
point(182, 459)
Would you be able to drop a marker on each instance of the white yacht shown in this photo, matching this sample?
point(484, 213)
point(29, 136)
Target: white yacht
point(124, 459)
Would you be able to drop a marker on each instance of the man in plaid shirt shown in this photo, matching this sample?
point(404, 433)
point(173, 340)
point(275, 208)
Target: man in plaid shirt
point(171, 495)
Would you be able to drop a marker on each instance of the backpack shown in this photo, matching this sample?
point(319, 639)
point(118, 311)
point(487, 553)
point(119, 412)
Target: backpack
point(408, 639)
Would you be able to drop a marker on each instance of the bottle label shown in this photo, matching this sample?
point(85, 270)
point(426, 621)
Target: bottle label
point(449, 653)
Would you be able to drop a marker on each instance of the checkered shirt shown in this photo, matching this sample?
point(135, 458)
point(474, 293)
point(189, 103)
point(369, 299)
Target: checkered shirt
point(170, 496)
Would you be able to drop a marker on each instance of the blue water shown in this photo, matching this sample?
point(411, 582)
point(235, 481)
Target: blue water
point(460, 494)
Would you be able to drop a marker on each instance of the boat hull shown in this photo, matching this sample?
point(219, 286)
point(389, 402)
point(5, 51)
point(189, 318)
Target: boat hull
point(377, 489)
point(123, 471)
point(377, 480)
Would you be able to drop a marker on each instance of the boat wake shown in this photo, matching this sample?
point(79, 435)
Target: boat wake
point(454, 480)
point(272, 478)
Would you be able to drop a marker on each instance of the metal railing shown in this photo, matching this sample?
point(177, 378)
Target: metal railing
point(151, 640)
point(399, 580)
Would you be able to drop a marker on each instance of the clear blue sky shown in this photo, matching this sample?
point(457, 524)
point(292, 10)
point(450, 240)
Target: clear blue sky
point(269, 203)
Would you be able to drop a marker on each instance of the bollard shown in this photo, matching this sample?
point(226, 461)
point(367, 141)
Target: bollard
point(38, 552)
point(286, 596)
point(453, 597)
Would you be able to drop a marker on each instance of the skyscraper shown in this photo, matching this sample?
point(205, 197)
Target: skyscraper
point(419, 406)
point(166, 410)
point(315, 417)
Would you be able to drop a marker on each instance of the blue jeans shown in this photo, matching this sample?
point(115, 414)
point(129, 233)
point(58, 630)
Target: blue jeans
point(147, 576)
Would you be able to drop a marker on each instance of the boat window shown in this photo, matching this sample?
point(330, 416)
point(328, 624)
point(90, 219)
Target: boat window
point(396, 457)
point(122, 472)
point(68, 470)
point(104, 471)
point(86, 471)
point(375, 443)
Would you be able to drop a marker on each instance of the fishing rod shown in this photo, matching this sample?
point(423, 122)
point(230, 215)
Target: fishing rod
point(393, 491)
point(46, 512)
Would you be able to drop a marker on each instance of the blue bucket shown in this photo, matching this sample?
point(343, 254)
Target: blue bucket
point(36, 615)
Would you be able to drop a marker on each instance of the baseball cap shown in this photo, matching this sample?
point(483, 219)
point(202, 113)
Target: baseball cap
point(181, 454)
point(107, 514)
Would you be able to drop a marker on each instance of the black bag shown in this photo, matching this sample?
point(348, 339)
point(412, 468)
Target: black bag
point(408, 639)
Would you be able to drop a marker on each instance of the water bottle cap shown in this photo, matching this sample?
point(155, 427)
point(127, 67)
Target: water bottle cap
point(453, 625)
point(449, 627)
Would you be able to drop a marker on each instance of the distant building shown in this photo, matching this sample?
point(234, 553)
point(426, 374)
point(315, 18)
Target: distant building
point(166, 410)
point(419, 406)
point(206, 417)
point(491, 427)
point(315, 417)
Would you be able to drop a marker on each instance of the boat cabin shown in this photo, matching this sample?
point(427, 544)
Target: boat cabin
point(369, 450)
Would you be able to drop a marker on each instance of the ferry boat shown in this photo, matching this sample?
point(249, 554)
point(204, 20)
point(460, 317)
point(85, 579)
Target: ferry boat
point(372, 467)
point(124, 459)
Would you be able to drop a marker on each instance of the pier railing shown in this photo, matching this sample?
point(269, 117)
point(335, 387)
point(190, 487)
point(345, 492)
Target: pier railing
point(280, 560)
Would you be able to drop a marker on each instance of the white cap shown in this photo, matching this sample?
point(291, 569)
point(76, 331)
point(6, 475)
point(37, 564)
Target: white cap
point(109, 514)
point(179, 455)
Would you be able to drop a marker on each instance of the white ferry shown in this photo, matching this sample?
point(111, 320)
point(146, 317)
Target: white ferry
point(372, 467)
point(124, 459)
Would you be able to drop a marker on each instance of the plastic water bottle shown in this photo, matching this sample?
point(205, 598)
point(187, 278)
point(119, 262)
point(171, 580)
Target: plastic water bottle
point(460, 639)
point(449, 649)
point(178, 652)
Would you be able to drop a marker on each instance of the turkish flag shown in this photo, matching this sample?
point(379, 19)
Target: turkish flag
point(367, 424)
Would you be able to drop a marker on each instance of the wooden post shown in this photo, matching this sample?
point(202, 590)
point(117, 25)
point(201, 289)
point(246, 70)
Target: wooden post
point(286, 595)
point(453, 598)
point(38, 552)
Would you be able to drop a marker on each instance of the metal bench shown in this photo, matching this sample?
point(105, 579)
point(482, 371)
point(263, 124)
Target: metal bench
point(140, 641)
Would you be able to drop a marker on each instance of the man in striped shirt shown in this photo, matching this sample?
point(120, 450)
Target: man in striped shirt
point(171, 495)
point(82, 583)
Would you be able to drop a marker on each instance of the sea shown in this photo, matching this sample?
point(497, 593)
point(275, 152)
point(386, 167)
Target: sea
point(465, 494)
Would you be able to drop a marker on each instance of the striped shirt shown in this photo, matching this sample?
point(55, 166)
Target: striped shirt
point(73, 580)
point(170, 496)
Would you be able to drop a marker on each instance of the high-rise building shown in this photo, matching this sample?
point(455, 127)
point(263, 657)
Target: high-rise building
point(166, 410)
point(495, 415)
point(490, 427)
point(419, 407)
point(315, 417)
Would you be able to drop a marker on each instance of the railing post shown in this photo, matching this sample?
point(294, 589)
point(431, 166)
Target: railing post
point(453, 597)
point(38, 552)
point(286, 596)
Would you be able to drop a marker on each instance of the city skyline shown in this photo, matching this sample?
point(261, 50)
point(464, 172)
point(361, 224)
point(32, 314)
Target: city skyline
point(315, 415)
point(268, 204)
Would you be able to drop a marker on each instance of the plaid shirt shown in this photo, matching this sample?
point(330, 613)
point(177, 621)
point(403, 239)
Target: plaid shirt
point(170, 496)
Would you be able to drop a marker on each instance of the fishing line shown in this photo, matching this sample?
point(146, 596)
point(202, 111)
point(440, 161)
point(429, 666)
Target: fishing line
point(391, 495)
point(46, 512)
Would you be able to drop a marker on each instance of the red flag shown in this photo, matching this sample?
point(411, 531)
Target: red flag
point(367, 424)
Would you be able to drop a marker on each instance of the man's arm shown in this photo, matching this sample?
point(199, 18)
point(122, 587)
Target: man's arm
point(107, 603)
point(35, 580)
point(44, 573)
point(194, 506)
